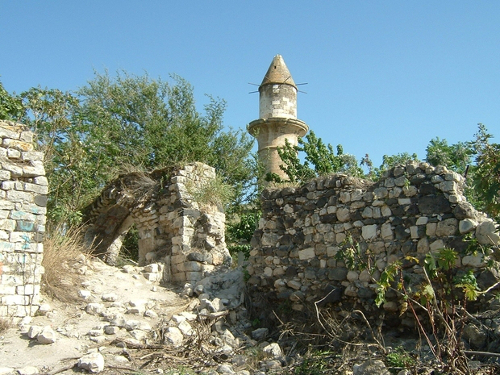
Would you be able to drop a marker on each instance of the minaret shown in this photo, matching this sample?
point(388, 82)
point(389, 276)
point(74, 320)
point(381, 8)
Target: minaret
point(277, 116)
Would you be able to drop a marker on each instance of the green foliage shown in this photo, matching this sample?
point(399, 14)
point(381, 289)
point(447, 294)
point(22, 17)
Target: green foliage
point(437, 295)
point(320, 160)
point(351, 254)
point(479, 161)
point(486, 174)
point(130, 244)
point(244, 228)
point(388, 162)
point(457, 156)
point(49, 116)
point(316, 362)
point(154, 123)
point(387, 278)
point(127, 120)
point(11, 107)
point(239, 233)
point(469, 286)
point(400, 358)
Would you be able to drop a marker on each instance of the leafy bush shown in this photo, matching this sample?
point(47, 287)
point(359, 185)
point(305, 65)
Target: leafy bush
point(239, 234)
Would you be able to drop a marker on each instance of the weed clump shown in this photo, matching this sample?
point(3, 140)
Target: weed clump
point(64, 260)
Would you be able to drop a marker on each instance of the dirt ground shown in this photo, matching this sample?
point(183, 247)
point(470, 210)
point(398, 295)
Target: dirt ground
point(72, 324)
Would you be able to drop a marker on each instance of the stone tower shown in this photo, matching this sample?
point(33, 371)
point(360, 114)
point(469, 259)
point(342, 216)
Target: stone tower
point(277, 116)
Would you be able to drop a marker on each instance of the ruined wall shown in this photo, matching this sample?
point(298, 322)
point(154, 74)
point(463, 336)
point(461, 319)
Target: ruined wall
point(23, 190)
point(413, 210)
point(183, 236)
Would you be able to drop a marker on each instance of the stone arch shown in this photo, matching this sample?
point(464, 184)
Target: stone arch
point(186, 236)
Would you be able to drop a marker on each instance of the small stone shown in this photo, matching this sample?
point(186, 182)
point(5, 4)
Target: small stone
point(199, 289)
point(128, 268)
point(109, 297)
point(273, 350)
point(94, 308)
point(47, 336)
point(95, 332)
point(85, 294)
point(185, 328)
point(178, 319)
point(473, 261)
point(467, 226)
point(173, 336)
point(138, 334)
point(34, 331)
point(111, 330)
point(371, 367)
point(391, 306)
point(188, 315)
point(98, 339)
point(260, 333)
point(150, 314)
point(132, 324)
point(44, 308)
point(225, 369)
point(93, 362)
point(120, 359)
point(487, 234)
point(28, 370)
point(475, 336)
point(187, 290)
point(154, 268)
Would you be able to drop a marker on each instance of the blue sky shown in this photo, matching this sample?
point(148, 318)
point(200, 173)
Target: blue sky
point(384, 77)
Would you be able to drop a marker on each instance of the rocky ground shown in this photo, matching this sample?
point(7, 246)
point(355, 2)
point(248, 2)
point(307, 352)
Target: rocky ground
point(124, 322)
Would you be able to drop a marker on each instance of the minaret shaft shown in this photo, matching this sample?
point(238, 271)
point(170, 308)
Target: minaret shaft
point(277, 116)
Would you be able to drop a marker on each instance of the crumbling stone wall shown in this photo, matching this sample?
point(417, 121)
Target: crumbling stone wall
point(413, 210)
point(23, 199)
point(185, 237)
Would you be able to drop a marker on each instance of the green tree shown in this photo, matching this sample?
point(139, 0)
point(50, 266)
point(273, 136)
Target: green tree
point(486, 173)
point(142, 121)
point(319, 160)
point(89, 135)
point(388, 162)
point(479, 161)
point(48, 113)
point(11, 107)
point(456, 157)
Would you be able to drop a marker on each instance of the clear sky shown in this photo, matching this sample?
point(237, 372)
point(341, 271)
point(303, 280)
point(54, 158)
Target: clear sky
point(383, 76)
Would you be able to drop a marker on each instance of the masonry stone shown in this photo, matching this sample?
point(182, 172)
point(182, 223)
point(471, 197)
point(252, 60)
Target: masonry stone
point(414, 209)
point(185, 236)
point(21, 221)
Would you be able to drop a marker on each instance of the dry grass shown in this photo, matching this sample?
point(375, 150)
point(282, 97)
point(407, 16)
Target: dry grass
point(5, 324)
point(209, 193)
point(64, 259)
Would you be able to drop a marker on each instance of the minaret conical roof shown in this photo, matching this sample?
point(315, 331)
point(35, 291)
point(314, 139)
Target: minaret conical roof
point(278, 73)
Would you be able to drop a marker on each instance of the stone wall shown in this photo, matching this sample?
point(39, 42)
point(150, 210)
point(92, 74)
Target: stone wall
point(23, 199)
point(413, 210)
point(185, 238)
